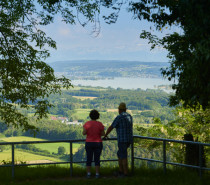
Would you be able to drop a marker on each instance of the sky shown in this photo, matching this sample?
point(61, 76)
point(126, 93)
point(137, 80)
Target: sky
point(119, 41)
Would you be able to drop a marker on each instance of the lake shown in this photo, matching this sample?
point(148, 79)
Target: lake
point(125, 83)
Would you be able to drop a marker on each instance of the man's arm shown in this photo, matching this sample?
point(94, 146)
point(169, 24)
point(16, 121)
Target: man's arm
point(108, 131)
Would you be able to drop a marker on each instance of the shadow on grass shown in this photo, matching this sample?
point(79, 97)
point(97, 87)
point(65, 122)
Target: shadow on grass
point(61, 175)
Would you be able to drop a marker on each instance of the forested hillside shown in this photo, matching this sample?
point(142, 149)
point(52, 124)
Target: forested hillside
point(144, 105)
point(74, 106)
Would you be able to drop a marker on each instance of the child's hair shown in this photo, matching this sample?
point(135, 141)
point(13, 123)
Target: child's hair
point(94, 114)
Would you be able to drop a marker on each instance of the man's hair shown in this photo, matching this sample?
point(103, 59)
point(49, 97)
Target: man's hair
point(94, 114)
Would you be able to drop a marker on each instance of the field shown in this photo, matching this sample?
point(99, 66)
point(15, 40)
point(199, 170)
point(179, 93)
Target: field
point(84, 97)
point(82, 113)
point(21, 138)
point(21, 156)
point(116, 110)
point(51, 147)
point(26, 156)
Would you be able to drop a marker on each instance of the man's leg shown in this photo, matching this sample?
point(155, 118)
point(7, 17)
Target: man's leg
point(125, 166)
point(122, 158)
point(120, 162)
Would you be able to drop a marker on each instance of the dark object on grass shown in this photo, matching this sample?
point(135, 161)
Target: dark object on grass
point(192, 152)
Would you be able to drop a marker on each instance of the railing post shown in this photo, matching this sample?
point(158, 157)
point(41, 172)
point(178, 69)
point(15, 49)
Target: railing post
point(13, 161)
point(132, 158)
point(200, 160)
point(71, 159)
point(164, 156)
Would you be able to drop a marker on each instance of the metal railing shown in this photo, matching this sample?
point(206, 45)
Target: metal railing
point(133, 158)
point(164, 161)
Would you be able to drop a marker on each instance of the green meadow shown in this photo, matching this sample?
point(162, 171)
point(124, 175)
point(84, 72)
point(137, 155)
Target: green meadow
point(23, 156)
point(84, 113)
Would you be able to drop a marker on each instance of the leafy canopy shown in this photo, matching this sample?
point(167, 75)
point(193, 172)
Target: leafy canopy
point(188, 51)
point(25, 79)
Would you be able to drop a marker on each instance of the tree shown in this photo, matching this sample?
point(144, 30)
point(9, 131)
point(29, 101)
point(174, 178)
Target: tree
point(194, 122)
point(188, 51)
point(61, 150)
point(25, 79)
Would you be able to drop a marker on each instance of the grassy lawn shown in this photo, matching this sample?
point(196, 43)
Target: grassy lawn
point(22, 156)
point(53, 175)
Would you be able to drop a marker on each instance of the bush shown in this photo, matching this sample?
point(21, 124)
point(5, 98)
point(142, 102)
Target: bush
point(61, 150)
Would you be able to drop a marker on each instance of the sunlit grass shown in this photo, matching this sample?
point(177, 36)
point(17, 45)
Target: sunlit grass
point(30, 157)
point(51, 147)
point(21, 156)
point(21, 138)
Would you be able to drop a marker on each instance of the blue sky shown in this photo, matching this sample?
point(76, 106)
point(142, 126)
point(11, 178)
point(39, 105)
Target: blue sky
point(119, 41)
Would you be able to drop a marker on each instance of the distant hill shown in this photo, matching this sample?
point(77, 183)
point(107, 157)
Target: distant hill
point(99, 69)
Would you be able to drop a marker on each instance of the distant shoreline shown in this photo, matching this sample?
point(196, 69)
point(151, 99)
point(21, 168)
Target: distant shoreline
point(127, 83)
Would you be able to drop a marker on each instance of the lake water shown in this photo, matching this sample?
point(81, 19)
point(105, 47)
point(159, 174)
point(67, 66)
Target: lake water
point(125, 83)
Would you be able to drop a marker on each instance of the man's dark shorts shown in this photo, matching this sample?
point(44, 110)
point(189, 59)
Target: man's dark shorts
point(122, 150)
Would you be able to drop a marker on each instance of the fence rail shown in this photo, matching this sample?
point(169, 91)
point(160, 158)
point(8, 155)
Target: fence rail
point(133, 158)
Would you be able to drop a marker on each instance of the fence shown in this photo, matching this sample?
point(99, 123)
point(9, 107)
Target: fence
point(133, 158)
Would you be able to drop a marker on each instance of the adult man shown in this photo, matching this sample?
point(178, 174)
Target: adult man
point(124, 127)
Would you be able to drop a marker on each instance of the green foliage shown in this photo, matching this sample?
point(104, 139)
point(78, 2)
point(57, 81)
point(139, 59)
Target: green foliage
point(61, 150)
point(188, 121)
point(188, 50)
point(25, 80)
point(195, 122)
point(2, 148)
